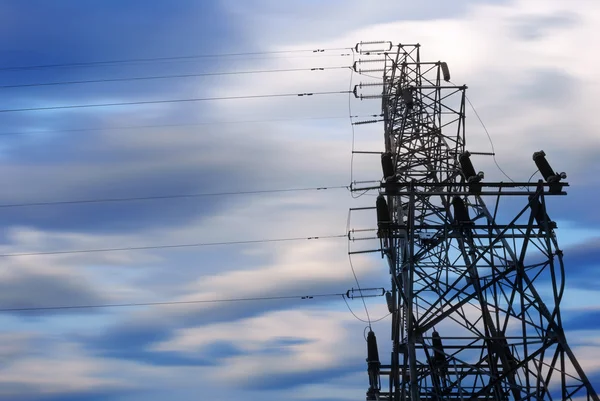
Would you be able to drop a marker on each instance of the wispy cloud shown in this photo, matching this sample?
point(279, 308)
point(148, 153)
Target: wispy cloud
point(532, 78)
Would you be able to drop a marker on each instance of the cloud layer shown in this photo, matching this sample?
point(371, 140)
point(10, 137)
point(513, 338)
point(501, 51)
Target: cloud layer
point(532, 79)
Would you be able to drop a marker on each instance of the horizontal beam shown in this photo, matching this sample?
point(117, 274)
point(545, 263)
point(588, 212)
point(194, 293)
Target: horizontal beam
point(451, 227)
point(459, 193)
point(483, 184)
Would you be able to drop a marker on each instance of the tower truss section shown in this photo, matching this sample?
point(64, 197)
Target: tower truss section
point(477, 275)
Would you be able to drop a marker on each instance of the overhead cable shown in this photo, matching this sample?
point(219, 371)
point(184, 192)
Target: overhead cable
point(354, 272)
point(200, 123)
point(175, 76)
point(157, 197)
point(171, 246)
point(170, 58)
point(142, 102)
point(132, 304)
point(369, 322)
point(489, 138)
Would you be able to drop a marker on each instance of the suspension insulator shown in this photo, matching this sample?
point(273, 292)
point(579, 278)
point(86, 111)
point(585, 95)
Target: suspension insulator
point(383, 217)
point(383, 212)
point(391, 303)
point(407, 216)
point(461, 213)
point(387, 165)
point(539, 214)
point(542, 164)
point(445, 71)
point(372, 350)
point(466, 165)
point(373, 366)
point(407, 96)
point(553, 178)
point(437, 343)
point(373, 46)
point(439, 357)
point(468, 171)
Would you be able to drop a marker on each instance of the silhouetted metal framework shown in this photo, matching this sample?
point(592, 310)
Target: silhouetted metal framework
point(476, 286)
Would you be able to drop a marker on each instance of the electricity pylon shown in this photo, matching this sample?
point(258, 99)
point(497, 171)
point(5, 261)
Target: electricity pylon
point(475, 289)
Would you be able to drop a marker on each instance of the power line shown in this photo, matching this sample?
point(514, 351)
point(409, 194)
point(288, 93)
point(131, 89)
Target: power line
point(358, 318)
point(157, 197)
point(172, 246)
point(171, 58)
point(106, 66)
point(80, 106)
point(132, 304)
point(354, 273)
point(488, 136)
point(351, 183)
point(135, 127)
point(155, 77)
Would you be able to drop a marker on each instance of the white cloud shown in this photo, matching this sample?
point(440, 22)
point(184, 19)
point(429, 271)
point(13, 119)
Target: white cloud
point(318, 332)
point(535, 92)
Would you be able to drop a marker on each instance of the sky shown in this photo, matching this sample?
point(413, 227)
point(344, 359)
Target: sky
point(533, 77)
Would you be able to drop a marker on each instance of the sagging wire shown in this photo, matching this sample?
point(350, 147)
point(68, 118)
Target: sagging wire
point(360, 319)
point(354, 271)
point(352, 312)
point(181, 58)
point(163, 303)
point(534, 173)
point(370, 76)
point(489, 138)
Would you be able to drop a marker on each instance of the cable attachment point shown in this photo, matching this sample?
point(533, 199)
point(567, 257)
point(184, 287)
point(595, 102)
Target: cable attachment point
point(365, 293)
point(368, 47)
point(366, 122)
point(358, 88)
point(373, 60)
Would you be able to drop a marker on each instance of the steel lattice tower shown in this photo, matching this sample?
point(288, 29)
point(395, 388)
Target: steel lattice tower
point(475, 292)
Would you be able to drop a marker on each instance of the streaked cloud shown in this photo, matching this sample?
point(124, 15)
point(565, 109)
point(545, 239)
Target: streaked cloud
point(532, 78)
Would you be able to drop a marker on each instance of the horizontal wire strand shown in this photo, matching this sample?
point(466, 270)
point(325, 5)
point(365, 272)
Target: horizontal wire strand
point(201, 123)
point(133, 304)
point(143, 102)
point(171, 246)
point(170, 58)
point(176, 76)
point(157, 197)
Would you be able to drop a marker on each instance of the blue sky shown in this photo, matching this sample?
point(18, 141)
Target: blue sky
point(532, 76)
